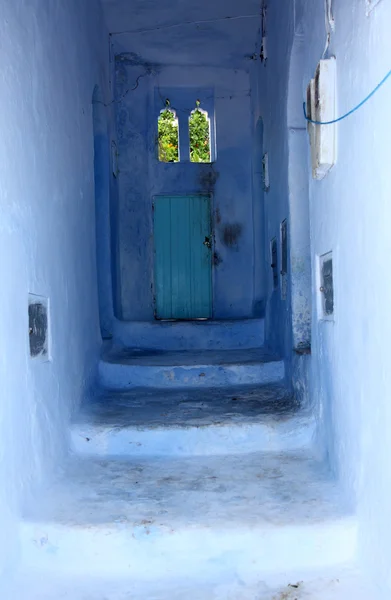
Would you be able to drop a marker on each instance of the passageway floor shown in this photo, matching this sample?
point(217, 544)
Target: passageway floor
point(160, 358)
point(192, 421)
point(152, 518)
point(146, 407)
point(274, 488)
point(337, 584)
point(132, 368)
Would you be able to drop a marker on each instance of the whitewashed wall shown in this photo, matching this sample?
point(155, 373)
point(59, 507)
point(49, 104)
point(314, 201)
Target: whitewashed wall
point(350, 215)
point(53, 53)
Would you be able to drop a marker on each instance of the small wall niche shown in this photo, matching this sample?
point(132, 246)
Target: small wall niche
point(265, 172)
point(114, 159)
point(263, 51)
point(326, 288)
point(38, 327)
point(274, 262)
point(168, 135)
point(284, 257)
point(199, 135)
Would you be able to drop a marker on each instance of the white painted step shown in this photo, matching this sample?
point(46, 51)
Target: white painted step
point(194, 422)
point(155, 519)
point(190, 335)
point(332, 584)
point(133, 368)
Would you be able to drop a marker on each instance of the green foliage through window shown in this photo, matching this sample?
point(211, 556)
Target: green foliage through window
point(199, 133)
point(168, 136)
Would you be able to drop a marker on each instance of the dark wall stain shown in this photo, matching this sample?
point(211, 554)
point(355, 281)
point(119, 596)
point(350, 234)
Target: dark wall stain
point(259, 308)
point(207, 178)
point(129, 58)
point(231, 234)
point(217, 260)
point(217, 216)
point(132, 59)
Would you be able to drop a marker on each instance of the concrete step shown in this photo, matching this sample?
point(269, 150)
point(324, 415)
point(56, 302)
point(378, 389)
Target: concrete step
point(232, 420)
point(190, 335)
point(330, 584)
point(133, 368)
point(201, 517)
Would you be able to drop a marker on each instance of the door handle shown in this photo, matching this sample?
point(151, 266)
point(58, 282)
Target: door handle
point(207, 242)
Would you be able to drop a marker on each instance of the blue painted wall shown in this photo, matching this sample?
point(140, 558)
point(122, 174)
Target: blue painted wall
point(228, 179)
point(347, 375)
point(269, 81)
point(102, 179)
point(53, 55)
point(260, 264)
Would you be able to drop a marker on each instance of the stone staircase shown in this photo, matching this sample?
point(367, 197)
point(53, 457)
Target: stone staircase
point(192, 476)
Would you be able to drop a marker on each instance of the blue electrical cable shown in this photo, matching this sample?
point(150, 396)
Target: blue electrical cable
point(350, 111)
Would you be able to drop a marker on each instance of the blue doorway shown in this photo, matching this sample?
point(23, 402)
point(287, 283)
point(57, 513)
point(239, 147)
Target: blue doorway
point(183, 257)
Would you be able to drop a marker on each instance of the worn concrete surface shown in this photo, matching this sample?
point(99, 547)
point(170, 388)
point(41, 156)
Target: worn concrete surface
point(134, 367)
point(335, 584)
point(156, 358)
point(190, 335)
point(192, 422)
point(156, 517)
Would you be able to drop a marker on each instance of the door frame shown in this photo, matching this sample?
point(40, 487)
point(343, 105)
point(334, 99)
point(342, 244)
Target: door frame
point(212, 252)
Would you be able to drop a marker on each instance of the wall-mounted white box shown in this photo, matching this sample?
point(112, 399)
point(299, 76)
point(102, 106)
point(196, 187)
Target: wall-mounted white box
point(321, 107)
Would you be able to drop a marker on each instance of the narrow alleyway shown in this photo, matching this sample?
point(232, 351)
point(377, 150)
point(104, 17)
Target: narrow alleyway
point(192, 466)
point(194, 317)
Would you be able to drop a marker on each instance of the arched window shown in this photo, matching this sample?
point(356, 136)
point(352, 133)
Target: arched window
point(199, 135)
point(168, 135)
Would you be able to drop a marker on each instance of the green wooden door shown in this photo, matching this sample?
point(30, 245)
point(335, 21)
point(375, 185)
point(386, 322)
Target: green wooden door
point(183, 257)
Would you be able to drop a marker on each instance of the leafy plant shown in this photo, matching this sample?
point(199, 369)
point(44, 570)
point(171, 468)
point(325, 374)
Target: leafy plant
point(199, 136)
point(168, 136)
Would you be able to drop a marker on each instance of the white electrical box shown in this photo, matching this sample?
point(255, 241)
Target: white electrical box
point(321, 107)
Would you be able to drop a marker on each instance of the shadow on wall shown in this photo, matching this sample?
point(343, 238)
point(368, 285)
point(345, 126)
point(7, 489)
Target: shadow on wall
point(299, 224)
point(102, 212)
point(259, 222)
